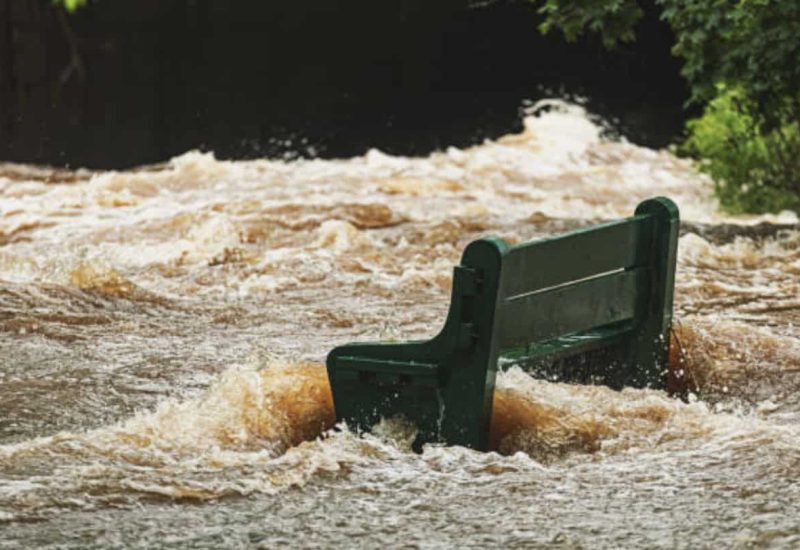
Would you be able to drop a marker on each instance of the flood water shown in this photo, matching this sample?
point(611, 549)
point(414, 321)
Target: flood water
point(162, 333)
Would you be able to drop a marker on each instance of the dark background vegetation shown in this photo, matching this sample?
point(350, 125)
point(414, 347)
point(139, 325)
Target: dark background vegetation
point(127, 82)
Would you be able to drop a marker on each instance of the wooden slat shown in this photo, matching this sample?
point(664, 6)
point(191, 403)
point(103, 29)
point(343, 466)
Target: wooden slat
point(571, 344)
point(548, 262)
point(367, 364)
point(567, 309)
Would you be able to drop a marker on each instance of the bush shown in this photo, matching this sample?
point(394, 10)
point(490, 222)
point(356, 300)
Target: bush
point(754, 169)
point(748, 136)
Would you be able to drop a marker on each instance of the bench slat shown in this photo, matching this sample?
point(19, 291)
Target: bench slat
point(570, 344)
point(548, 262)
point(568, 309)
point(368, 364)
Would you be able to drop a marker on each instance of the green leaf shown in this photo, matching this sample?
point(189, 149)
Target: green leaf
point(70, 5)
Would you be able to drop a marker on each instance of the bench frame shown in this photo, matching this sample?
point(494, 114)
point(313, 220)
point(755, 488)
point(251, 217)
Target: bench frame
point(593, 305)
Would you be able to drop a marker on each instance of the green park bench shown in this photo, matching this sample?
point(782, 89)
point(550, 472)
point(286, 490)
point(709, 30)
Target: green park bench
point(590, 306)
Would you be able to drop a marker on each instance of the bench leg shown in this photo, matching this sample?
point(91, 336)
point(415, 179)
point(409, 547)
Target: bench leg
point(648, 349)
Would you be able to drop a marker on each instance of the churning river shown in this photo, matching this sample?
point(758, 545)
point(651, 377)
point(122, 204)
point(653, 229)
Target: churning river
point(162, 333)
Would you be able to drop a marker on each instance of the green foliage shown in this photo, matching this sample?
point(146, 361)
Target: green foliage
point(749, 137)
point(613, 20)
point(70, 5)
point(750, 44)
point(755, 169)
point(753, 45)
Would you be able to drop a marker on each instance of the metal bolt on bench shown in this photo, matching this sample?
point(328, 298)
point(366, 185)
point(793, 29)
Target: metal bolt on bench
point(590, 306)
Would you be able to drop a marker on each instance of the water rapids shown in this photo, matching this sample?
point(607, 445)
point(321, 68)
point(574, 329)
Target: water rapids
point(162, 332)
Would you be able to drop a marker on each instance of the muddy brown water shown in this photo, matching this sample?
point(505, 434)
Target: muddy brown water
point(162, 333)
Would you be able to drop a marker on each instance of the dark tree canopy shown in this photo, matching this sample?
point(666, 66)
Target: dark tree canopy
point(740, 59)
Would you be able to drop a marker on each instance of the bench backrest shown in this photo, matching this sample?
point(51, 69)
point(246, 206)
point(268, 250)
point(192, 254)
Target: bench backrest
point(597, 301)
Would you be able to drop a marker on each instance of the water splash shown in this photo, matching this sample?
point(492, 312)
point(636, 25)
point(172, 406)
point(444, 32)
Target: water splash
point(132, 304)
